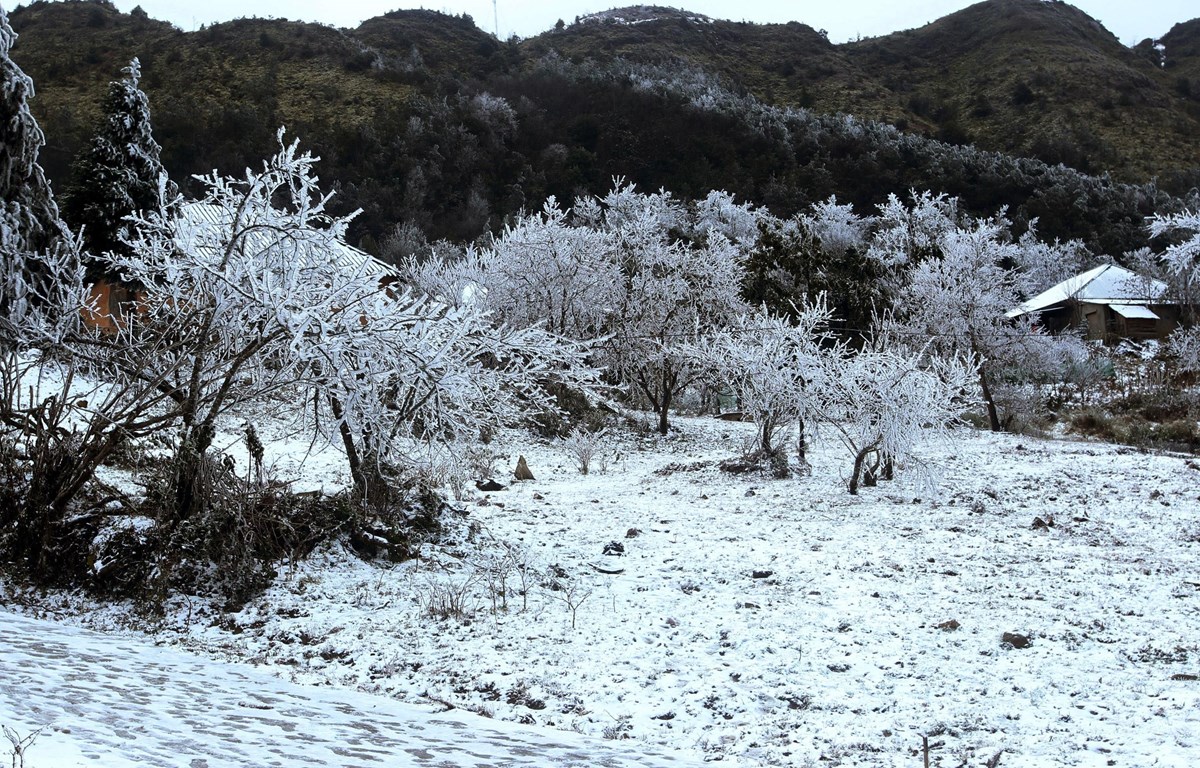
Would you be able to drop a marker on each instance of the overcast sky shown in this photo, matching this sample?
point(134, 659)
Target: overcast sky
point(842, 19)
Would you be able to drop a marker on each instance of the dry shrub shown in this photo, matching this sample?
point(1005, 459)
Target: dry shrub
point(229, 548)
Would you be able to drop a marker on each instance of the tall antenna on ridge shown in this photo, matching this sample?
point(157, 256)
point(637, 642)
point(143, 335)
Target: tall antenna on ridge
point(496, 19)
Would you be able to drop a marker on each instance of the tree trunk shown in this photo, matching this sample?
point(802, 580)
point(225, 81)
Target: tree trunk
point(191, 495)
point(993, 415)
point(870, 474)
point(369, 483)
point(858, 468)
point(663, 408)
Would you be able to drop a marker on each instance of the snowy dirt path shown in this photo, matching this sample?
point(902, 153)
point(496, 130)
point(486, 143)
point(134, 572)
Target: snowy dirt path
point(114, 702)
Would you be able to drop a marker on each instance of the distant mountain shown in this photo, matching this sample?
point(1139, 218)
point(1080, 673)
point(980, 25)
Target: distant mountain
point(423, 117)
point(1028, 77)
point(1040, 79)
point(790, 64)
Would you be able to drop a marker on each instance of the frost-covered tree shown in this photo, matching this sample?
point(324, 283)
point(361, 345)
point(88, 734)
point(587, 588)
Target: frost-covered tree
point(672, 292)
point(408, 371)
point(1184, 254)
point(821, 251)
point(956, 298)
point(640, 273)
point(1182, 259)
point(29, 218)
point(884, 403)
point(120, 172)
point(906, 234)
point(259, 297)
point(540, 270)
point(777, 368)
point(1041, 265)
point(227, 293)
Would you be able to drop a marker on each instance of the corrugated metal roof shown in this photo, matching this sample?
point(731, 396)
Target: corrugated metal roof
point(1134, 311)
point(209, 215)
point(1106, 284)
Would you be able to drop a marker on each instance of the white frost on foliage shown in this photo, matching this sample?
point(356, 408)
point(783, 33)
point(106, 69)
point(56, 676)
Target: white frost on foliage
point(1184, 255)
point(776, 367)
point(539, 271)
point(836, 226)
point(904, 233)
point(885, 404)
point(736, 222)
point(1184, 345)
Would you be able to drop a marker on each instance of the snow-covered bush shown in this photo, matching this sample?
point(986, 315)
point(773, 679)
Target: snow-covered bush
point(737, 222)
point(583, 445)
point(836, 227)
point(59, 420)
point(883, 403)
point(1184, 345)
point(776, 368)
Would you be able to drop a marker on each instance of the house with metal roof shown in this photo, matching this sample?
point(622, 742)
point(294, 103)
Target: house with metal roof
point(206, 215)
point(112, 298)
point(1111, 301)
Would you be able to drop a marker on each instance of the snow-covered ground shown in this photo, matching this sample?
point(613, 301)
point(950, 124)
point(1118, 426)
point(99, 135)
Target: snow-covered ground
point(73, 697)
point(763, 622)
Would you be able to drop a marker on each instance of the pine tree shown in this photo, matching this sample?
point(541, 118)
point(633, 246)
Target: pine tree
point(29, 219)
point(120, 172)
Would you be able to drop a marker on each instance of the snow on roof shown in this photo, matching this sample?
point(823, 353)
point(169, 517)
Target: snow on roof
point(1105, 284)
point(1134, 311)
point(207, 214)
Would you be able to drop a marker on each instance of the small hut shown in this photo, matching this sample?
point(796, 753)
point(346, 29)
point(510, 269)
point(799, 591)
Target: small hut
point(1113, 302)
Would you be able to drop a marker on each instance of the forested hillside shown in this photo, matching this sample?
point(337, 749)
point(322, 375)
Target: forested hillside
point(422, 117)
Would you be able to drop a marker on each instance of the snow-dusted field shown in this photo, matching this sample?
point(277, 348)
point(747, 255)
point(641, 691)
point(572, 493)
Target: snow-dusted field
point(768, 622)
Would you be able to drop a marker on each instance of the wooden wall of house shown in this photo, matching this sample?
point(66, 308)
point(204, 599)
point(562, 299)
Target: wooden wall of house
point(1137, 327)
point(112, 301)
point(103, 316)
point(1096, 316)
point(1105, 324)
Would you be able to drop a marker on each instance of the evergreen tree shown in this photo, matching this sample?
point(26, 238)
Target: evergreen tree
point(120, 173)
point(29, 220)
